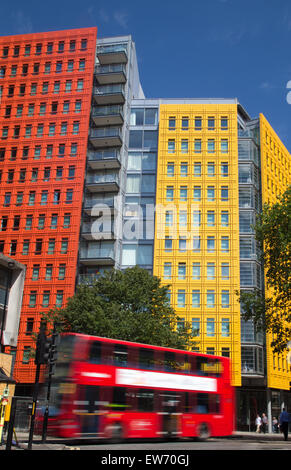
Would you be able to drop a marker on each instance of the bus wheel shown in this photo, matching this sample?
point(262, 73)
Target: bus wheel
point(117, 434)
point(203, 432)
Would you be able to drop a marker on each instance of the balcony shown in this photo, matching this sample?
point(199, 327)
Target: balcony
point(112, 54)
point(109, 94)
point(109, 74)
point(90, 231)
point(104, 159)
point(96, 253)
point(106, 137)
point(92, 205)
point(88, 278)
point(108, 115)
point(102, 182)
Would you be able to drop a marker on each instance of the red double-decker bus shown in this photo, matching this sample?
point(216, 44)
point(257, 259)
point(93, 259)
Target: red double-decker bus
point(105, 388)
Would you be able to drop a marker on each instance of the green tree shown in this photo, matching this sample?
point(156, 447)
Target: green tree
point(130, 305)
point(271, 311)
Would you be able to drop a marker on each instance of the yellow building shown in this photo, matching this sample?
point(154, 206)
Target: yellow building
point(216, 167)
point(275, 175)
point(197, 224)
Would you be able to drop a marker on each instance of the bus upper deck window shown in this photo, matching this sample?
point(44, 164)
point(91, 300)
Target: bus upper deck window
point(146, 358)
point(120, 355)
point(95, 352)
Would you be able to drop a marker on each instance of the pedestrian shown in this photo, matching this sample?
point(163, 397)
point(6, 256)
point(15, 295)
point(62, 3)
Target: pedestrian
point(258, 423)
point(275, 424)
point(264, 423)
point(284, 423)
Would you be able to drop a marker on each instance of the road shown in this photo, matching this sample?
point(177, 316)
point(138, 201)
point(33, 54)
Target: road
point(210, 444)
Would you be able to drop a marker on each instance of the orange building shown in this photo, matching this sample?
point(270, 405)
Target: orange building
point(45, 87)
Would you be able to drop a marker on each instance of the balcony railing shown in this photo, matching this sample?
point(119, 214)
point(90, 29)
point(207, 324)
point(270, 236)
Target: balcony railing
point(109, 94)
point(107, 115)
point(101, 182)
point(106, 137)
point(113, 73)
point(97, 253)
point(112, 54)
point(104, 159)
point(91, 232)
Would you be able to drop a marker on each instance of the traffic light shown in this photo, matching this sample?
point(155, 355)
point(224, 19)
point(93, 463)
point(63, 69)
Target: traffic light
point(43, 347)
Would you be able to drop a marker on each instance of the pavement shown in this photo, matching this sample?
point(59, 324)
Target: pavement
point(60, 444)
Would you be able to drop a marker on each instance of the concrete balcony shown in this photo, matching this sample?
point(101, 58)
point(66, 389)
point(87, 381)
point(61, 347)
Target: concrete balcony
point(112, 54)
point(97, 253)
point(104, 159)
point(106, 137)
point(89, 232)
point(102, 182)
point(108, 115)
point(93, 205)
point(109, 74)
point(109, 94)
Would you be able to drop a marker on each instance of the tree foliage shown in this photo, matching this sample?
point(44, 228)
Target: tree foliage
point(271, 310)
point(130, 305)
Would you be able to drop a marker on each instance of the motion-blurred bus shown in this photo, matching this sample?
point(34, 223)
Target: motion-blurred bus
point(111, 389)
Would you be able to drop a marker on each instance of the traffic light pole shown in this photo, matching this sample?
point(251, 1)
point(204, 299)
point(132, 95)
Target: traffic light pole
point(51, 365)
point(34, 402)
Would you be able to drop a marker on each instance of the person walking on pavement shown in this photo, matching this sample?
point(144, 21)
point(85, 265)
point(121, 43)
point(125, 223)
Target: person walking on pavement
point(284, 423)
point(258, 423)
point(264, 423)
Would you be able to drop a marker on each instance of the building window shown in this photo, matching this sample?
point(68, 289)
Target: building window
point(225, 271)
point(48, 272)
point(210, 327)
point(170, 193)
point(224, 218)
point(225, 327)
point(210, 271)
point(197, 146)
point(211, 123)
point(26, 354)
point(196, 243)
point(195, 298)
point(195, 326)
point(170, 169)
point(181, 298)
point(210, 299)
point(59, 298)
point(167, 270)
point(210, 244)
point(182, 271)
point(184, 146)
point(172, 123)
point(225, 299)
point(198, 123)
point(210, 218)
point(32, 299)
point(196, 271)
point(46, 298)
point(171, 146)
point(224, 146)
point(210, 169)
point(224, 123)
point(168, 243)
point(225, 244)
point(197, 169)
point(211, 146)
point(224, 193)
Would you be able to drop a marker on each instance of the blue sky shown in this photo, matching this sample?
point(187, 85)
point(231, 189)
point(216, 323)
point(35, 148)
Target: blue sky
point(187, 48)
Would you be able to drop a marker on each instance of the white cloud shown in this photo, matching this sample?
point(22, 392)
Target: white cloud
point(121, 18)
point(22, 22)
